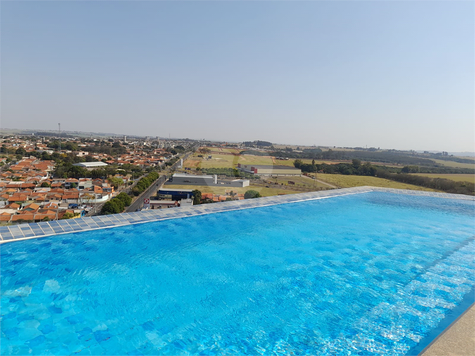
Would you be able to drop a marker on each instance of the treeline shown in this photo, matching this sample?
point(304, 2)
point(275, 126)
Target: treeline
point(61, 157)
point(446, 185)
point(452, 158)
point(55, 144)
point(144, 183)
point(392, 173)
point(229, 172)
point(172, 161)
point(113, 149)
point(257, 144)
point(354, 168)
point(395, 157)
point(117, 204)
point(68, 170)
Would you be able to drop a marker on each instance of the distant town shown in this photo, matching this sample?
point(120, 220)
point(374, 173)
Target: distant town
point(48, 176)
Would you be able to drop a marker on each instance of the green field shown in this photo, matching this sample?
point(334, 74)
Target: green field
point(265, 192)
point(344, 181)
point(454, 177)
point(454, 164)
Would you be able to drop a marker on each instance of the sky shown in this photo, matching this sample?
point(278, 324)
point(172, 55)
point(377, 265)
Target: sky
point(389, 74)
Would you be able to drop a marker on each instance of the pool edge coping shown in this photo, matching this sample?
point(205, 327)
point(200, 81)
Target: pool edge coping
point(30, 231)
point(447, 335)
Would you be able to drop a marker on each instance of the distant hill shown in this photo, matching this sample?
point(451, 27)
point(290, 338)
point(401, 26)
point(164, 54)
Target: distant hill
point(463, 154)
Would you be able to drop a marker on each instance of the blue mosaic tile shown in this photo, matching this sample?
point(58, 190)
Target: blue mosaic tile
point(28, 233)
point(16, 233)
point(57, 229)
point(4, 229)
point(48, 230)
point(73, 223)
point(36, 228)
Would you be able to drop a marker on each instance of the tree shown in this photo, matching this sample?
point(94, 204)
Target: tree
point(356, 163)
point(125, 198)
point(45, 184)
point(251, 194)
point(115, 182)
point(298, 163)
point(110, 207)
point(20, 152)
point(196, 197)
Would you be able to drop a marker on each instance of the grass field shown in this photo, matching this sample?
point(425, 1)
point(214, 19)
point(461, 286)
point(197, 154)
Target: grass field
point(300, 182)
point(454, 177)
point(454, 164)
point(265, 192)
point(344, 181)
point(227, 160)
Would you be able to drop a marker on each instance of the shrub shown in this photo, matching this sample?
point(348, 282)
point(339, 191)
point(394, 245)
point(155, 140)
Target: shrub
point(251, 194)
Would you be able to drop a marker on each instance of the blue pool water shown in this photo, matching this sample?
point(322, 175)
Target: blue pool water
point(365, 274)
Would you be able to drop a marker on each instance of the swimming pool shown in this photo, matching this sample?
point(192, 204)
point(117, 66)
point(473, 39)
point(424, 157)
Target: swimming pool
point(369, 273)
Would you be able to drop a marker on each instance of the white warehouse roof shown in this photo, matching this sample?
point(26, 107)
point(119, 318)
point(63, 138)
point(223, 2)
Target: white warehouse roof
point(90, 164)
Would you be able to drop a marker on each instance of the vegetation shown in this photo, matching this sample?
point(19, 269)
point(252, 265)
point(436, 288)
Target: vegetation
point(64, 169)
point(354, 168)
point(446, 185)
point(345, 181)
point(68, 215)
point(196, 197)
point(115, 182)
point(454, 177)
point(257, 144)
point(144, 183)
point(389, 156)
point(116, 205)
point(172, 161)
point(251, 194)
point(367, 169)
point(125, 198)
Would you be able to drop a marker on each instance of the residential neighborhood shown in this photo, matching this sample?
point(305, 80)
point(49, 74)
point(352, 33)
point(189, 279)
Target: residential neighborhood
point(50, 178)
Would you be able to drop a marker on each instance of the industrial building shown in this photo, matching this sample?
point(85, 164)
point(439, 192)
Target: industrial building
point(175, 194)
point(179, 179)
point(269, 170)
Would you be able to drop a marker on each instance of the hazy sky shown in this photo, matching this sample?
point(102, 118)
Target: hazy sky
point(390, 74)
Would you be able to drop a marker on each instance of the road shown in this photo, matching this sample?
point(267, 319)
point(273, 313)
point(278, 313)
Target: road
point(152, 190)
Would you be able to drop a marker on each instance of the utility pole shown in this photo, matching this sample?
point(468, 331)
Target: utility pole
point(59, 134)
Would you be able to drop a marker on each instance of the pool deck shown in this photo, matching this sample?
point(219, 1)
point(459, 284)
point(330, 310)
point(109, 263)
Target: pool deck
point(457, 340)
point(49, 228)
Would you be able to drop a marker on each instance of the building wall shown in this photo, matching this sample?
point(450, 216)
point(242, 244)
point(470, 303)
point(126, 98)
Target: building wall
point(193, 180)
point(234, 183)
point(278, 172)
